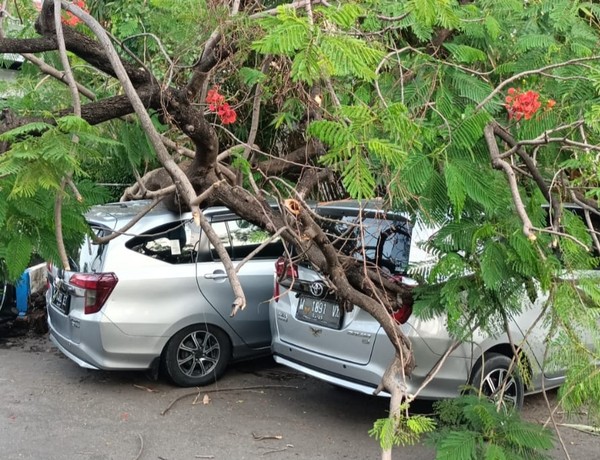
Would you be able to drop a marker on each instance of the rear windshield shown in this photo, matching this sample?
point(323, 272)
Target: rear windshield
point(385, 243)
point(87, 257)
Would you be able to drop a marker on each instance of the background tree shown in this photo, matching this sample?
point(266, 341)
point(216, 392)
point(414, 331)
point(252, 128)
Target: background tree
point(478, 117)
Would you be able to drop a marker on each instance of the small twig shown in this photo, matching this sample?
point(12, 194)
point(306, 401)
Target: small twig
point(259, 437)
point(204, 195)
point(60, 76)
point(593, 430)
point(223, 390)
point(277, 450)
point(129, 224)
point(74, 189)
point(149, 390)
point(141, 447)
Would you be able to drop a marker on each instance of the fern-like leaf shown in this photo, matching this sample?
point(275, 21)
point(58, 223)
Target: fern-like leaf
point(28, 129)
point(465, 53)
point(350, 56)
point(333, 133)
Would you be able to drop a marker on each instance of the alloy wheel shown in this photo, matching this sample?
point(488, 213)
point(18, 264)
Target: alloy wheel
point(198, 353)
point(501, 387)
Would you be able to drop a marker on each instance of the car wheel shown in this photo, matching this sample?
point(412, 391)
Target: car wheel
point(491, 378)
point(197, 355)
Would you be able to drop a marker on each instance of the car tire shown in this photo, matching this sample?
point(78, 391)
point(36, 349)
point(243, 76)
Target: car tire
point(197, 355)
point(488, 375)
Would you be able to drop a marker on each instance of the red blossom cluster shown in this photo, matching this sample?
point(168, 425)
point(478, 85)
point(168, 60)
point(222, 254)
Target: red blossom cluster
point(524, 104)
point(216, 103)
point(72, 20)
point(68, 18)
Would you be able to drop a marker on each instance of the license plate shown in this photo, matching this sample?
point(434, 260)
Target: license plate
point(321, 312)
point(61, 300)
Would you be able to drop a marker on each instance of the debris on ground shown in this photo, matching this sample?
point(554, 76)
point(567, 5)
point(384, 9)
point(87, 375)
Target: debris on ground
point(13, 326)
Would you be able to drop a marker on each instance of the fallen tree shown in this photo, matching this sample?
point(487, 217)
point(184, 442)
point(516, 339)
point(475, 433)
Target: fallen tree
point(316, 100)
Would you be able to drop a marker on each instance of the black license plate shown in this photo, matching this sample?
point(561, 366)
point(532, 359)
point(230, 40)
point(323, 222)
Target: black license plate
point(318, 311)
point(61, 300)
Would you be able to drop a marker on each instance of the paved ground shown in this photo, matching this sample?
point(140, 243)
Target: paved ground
point(52, 409)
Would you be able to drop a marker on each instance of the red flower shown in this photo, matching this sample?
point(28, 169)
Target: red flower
point(523, 104)
point(72, 20)
point(216, 103)
point(226, 114)
point(214, 99)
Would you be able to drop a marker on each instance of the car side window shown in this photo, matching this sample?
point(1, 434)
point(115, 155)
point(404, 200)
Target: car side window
point(222, 231)
point(174, 243)
point(241, 238)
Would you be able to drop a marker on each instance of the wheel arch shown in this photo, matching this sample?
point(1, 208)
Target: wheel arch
point(207, 324)
point(507, 350)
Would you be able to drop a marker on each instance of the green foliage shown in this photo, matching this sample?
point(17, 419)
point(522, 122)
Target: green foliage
point(472, 429)
point(465, 53)
point(319, 53)
point(40, 158)
point(401, 430)
point(348, 56)
point(40, 161)
point(287, 33)
point(28, 224)
point(345, 16)
point(251, 76)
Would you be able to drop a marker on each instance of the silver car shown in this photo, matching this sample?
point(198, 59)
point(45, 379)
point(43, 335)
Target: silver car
point(158, 296)
point(313, 335)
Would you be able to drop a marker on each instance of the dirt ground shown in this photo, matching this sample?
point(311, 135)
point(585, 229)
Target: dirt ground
point(52, 409)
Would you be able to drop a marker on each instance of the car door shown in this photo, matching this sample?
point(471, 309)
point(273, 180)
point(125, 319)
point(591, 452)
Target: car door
point(240, 238)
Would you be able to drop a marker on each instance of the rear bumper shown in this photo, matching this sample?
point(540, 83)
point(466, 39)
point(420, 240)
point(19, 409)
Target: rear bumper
point(99, 344)
point(335, 380)
point(365, 378)
point(70, 355)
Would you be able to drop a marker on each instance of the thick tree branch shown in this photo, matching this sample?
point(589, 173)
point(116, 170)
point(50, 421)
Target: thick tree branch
point(533, 170)
point(183, 184)
point(81, 45)
point(502, 165)
point(28, 45)
point(295, 161)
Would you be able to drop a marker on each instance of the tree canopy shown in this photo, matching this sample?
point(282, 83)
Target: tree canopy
point(478, 117)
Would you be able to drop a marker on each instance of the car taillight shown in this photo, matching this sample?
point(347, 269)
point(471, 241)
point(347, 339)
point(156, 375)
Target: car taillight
point(283, 269)
point(402, 314)
point(97, 286)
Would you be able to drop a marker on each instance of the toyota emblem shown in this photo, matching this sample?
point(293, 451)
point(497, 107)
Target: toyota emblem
point(317, 289)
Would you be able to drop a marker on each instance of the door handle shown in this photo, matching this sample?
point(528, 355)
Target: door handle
point(216, 275)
